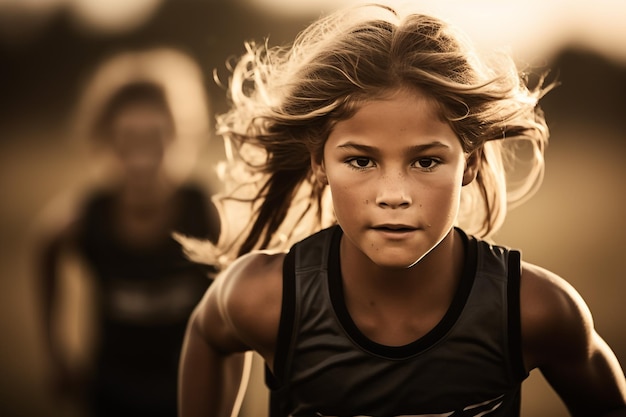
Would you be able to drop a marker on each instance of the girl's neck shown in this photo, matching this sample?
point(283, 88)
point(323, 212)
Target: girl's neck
point(442, 263)
point(396, 307)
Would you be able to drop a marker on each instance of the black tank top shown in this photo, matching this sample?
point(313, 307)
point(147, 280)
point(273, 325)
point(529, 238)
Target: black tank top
point(469, 364)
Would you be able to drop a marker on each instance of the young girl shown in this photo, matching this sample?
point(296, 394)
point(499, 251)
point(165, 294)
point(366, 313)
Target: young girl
point(396, 309)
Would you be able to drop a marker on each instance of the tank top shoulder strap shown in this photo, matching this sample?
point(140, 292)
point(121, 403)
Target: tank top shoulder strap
point(309, 254)
point(518, 369)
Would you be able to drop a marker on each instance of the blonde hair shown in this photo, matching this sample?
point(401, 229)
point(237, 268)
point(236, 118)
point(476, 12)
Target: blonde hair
point(285, 101)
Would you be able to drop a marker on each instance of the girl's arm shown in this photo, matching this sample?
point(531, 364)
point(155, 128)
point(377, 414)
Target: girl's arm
point(239, 312)
point(212, 383)
point(559, 338)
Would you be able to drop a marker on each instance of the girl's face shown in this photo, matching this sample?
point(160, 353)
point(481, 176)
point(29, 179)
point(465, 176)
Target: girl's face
point(395, 172)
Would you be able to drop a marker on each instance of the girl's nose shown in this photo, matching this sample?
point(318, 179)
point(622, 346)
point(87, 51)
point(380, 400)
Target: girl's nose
point(393, 193)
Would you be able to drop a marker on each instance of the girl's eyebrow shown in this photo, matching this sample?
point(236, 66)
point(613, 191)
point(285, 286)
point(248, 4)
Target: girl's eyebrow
point(412, 149)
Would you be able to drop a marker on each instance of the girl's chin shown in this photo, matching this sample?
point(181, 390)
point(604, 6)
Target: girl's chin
point(393, 261)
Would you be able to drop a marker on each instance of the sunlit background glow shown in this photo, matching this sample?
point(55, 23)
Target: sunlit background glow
point(533, 28)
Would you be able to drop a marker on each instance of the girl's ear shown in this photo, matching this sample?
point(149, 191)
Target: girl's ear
point(471, 166)
point(319, 170)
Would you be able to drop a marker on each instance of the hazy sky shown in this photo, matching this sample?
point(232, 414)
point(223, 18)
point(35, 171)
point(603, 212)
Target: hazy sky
point(534, 29)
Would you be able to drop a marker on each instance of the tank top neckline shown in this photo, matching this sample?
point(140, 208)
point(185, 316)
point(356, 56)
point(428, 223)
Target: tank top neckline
point(421, 344)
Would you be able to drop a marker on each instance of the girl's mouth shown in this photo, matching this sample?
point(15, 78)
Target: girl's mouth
point(394, 228)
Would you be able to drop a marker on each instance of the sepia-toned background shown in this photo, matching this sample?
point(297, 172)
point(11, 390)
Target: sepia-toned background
point(574, 225)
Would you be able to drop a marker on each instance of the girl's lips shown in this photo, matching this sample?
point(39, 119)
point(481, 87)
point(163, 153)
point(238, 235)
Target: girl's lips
point(394, 228)
point(394, 231)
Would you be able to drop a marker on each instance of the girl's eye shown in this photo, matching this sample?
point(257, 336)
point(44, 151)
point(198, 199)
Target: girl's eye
point(427, 163)
point(360, 162)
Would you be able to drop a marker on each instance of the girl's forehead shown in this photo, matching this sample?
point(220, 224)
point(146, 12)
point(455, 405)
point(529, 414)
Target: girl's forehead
point(404, 116)
point(400, 96)
point(396, 102)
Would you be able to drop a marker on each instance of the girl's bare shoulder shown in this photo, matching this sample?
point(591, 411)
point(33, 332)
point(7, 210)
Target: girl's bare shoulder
point(254, 280)
point(247, 296)
point(555, 318)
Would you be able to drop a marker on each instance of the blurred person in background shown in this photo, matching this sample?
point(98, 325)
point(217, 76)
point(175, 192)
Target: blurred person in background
point(143, 286)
